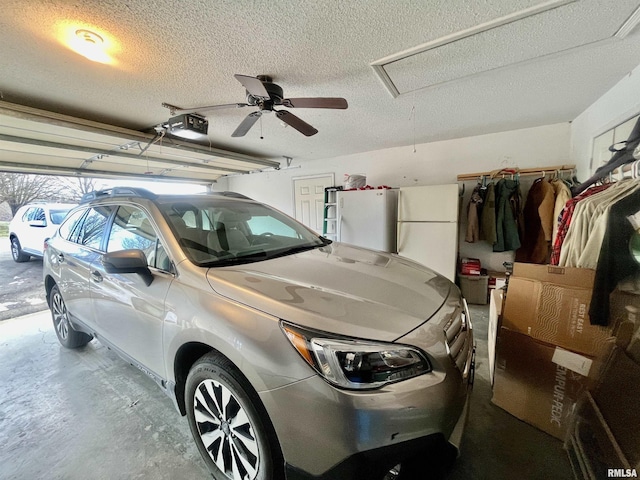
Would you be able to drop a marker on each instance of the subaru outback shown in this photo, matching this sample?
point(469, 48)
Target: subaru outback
point(291, 356)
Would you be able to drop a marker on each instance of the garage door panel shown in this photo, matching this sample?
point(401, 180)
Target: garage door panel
point(32, 140)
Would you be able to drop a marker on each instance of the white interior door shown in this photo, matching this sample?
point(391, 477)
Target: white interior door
point(308, 196)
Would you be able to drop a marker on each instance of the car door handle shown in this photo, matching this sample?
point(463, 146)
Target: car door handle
point(97, 277)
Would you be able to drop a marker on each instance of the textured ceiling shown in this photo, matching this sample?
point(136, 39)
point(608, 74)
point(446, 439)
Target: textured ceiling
point(185, 53)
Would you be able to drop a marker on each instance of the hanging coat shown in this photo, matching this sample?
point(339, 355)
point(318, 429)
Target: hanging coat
point(507, 237)
point(488, 217)
point(538, 218)
point(473, 216)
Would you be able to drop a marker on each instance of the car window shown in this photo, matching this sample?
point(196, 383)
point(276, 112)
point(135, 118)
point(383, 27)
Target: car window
point(25, 215)
point(38, 215)
point(68, 227)
point(92, 229)
point(57, 215)
point(228, 231)
point(131, 229)
point(265, 225)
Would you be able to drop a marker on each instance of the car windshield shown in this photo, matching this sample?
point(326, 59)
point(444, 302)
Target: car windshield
point(57, 215)
point(214, 231)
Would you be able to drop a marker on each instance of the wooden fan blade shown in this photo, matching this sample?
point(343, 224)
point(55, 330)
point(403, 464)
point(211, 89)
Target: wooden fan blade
point(246, 124)
point(295, 122)
point(315, 102)
point(253, 85)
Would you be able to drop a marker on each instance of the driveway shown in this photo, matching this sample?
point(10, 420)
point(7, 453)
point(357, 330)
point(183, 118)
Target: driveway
point(21, 290)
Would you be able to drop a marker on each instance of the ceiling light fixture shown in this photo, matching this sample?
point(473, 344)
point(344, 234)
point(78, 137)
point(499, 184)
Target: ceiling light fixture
point(89, 44)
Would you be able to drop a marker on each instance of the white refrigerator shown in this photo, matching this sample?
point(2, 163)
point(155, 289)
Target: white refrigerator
point(367, 218)
point(428, 226)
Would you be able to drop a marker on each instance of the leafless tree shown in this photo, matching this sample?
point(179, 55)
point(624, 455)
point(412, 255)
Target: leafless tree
point(75, 187)
point(18, 189)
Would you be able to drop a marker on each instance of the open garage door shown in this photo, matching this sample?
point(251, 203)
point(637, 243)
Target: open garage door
point(38, 141)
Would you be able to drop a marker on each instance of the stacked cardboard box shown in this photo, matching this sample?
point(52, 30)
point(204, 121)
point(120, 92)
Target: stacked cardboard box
point(547, 350)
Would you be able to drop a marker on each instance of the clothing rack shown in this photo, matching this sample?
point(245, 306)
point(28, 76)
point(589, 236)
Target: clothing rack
point(508, 172)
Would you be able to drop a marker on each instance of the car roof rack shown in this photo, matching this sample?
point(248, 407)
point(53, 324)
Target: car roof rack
point(232, 195)
point(118, 192)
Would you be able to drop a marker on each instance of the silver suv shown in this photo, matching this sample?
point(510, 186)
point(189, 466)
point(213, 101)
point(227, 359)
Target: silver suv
point(292, 356)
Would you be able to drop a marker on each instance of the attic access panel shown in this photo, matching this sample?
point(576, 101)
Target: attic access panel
point(37, 141)
point(539, 31)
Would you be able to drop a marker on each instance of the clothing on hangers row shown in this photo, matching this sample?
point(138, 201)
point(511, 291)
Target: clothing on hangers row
point(497, 214)
point(494, 214)
point(594, 232)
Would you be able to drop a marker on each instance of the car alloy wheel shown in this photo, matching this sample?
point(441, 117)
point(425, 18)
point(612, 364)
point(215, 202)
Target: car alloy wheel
point(226, 431)
point(67, 335)
point(17, 253)
point(229, 423)
point(60, 316)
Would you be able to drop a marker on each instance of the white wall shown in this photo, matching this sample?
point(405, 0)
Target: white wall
point(614, 107)
point(431, 164)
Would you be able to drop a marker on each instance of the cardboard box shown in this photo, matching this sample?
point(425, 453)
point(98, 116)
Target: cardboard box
point(551, 304)
point(537, 382)
point(495, 311)
point(618, 397)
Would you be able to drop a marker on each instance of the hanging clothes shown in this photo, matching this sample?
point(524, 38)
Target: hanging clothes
point(538, 217)
point(473, 215)
point(488, 218)
point(507, 198)
point(567, 216)
point(598, 228)
point(615, 262)
point(585, 217)
point(563, 195)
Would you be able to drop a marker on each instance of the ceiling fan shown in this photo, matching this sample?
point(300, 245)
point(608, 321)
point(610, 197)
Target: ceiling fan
point(262, 93)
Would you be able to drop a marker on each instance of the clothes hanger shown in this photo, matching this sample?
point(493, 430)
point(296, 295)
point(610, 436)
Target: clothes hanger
point(621, 157)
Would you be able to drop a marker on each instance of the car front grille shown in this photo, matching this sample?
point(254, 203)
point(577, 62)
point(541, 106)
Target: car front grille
point(459, 338)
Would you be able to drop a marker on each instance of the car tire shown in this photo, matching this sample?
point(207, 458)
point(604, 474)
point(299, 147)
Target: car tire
point(17, 253)
point(66, 334)
point(228, 422)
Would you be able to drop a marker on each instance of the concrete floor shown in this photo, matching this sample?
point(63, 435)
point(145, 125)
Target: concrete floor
point(89, 415)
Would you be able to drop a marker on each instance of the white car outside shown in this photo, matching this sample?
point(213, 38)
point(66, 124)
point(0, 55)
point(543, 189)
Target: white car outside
point(32, 225)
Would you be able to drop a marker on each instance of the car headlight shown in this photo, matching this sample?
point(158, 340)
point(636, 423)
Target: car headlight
point(356, 364)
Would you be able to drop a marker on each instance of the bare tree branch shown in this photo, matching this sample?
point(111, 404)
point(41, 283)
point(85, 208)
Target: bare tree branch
point(19, 189)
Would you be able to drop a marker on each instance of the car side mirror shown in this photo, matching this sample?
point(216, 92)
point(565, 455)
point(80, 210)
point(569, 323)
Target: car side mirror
point(128, 261)
point(38, 223)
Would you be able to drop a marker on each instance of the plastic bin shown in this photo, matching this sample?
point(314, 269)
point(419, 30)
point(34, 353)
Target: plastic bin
point(474, 288)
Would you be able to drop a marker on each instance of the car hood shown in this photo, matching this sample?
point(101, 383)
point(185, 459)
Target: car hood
point(340, 289)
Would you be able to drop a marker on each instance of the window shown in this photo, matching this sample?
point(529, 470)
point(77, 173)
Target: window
point(70, 224)
point(92, 228)
point(132, 229)
point(57, 215)
point(38, 216)
point(262, 224)
point(601, 153)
